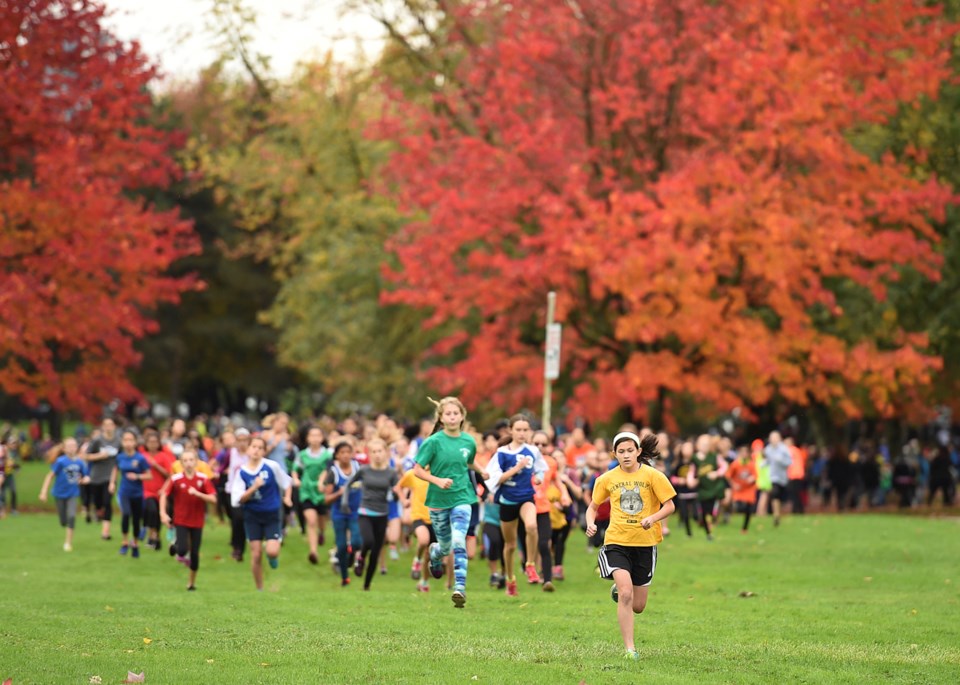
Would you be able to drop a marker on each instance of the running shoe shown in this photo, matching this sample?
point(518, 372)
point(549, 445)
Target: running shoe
point(383, 570)
point(632, 655)
point(512, 588)
point(614, 593)
point(358, 564)
point(191, 588)
point(334, 561)
point(416, 570)
point(273, 561)
point(320, 539)
point(423, 587)
point(548, 587)
point(124, 548)
point(558, 573)
point(183, 560)
point(136, 553)
point(459, 598)
point(494, 580)
point(344, 582)
point(67, 547)
point(312, 557)
point(394, 554)
point(531, 572)
point(436, 561)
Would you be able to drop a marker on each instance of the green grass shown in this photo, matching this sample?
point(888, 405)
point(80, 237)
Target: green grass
point(854, 599)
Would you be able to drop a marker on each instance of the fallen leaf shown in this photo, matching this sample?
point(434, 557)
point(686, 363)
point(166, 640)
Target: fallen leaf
point(108, 608)
point(128, 651)
point(747, 593)
point(147, 640)
point(95, 680)
point(209, 661)
point(264, 663)
point(135, 677)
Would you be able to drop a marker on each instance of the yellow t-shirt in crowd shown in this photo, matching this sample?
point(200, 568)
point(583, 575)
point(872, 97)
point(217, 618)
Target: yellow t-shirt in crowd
point(202, 467)
point(633, 497)
point(418, 496)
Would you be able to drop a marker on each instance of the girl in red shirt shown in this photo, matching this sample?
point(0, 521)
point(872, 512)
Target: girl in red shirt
point(190, 491)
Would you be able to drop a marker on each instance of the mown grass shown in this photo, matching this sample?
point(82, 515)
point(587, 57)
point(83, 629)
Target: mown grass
point(854, 599)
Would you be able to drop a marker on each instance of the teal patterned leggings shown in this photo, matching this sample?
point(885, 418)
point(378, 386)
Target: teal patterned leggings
point(451, 526)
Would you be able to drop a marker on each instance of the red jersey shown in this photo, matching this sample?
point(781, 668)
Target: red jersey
point(153, 486)
point(188, 510)
point(743, 480)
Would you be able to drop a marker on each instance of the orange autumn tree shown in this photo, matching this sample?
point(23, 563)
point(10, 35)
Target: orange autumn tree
point(678, 172)
point(83, 257)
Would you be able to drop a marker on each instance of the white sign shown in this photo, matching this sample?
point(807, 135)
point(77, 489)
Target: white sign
point(551, 369)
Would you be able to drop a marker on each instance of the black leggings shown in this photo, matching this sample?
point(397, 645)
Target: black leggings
point(559, 538)
point(545, 536)
point(188, 540)
point(706, 512)
point(493, 541)
point(135, 507)
point(688, 510)
point(373, 530)
point(238, 534)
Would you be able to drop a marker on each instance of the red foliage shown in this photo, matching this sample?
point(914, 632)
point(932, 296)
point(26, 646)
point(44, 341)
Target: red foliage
point(678, 171)
point(83, 257)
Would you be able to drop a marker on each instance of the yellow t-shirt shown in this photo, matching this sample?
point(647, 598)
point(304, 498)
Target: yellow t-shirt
point(202, 467)
point(633, 497)
point(558, 517)
point(418, 496)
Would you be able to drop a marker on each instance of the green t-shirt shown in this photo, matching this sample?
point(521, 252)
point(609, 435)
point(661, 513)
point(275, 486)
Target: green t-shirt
point(448, 457)
point(310, 468)
point(707, 488)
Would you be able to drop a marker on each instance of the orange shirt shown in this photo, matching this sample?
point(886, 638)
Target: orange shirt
point(743, 480)
point(540, 497)
point(574, 453)
point(798, 464)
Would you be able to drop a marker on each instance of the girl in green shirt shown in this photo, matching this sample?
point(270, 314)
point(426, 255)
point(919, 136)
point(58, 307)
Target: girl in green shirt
point(444, 460)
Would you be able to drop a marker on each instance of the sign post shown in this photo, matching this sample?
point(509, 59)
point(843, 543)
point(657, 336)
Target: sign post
point(551, 366)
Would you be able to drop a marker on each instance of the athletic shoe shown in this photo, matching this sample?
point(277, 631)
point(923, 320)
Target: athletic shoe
point(558, 573)
point(459, 599)
point(776, 521)
point(423, 587)
point(416, 570)
point(632, 655)
point(548, 587)
point(344, 582)
point(358, 564)
point(124, 548)
point(312, 557)
point(106, 537)
point(531, 572)
point(383, 570)
point(501, 582)
point(320, 539)
point(274, 562)
point(67, 547)
point(394, 554)
point(172, 549)
point(191, 588)
point(512, 588)
point(495, 580)
point(614, 593)
point(136, 553)
point(183, 560)
point(436, 561)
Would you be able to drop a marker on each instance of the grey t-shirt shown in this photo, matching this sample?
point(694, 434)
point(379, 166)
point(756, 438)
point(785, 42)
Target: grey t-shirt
point(377, 489)
point(100, 470)
point(779, 459)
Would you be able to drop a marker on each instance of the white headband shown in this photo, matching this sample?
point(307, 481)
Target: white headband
point(626, 435)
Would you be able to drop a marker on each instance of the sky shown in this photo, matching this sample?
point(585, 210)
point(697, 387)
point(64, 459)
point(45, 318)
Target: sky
point(174, 33)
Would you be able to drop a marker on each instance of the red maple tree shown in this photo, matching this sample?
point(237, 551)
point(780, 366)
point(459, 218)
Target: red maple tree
point(83, 256)
point(680, 173)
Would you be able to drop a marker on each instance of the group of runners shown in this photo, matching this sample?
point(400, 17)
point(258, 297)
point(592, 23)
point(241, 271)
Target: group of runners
point(513, 495)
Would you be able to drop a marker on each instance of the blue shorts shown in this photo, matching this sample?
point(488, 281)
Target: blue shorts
point(261, 525)
point(393, 511)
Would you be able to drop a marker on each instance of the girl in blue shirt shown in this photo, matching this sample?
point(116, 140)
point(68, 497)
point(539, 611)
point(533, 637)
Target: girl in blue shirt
point(132, 468)
point(512, 472)
point(68, 473)
point(334, 482)
point(261, 489)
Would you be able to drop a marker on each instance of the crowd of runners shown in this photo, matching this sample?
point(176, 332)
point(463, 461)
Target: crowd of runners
point(507, 498)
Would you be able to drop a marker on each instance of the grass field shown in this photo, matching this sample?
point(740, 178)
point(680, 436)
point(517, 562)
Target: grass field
point(855, 599)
